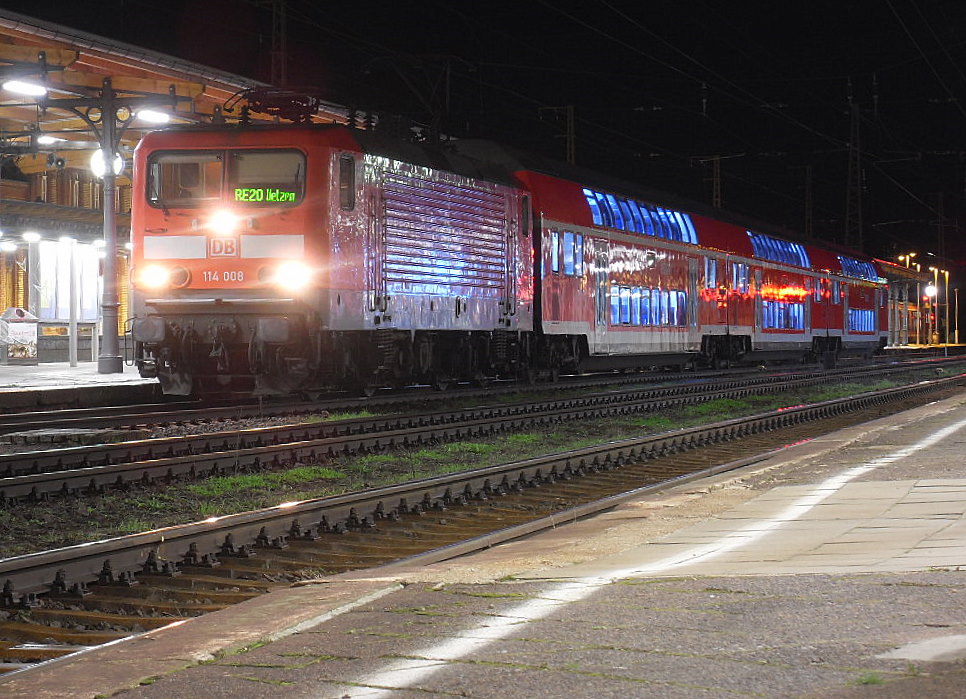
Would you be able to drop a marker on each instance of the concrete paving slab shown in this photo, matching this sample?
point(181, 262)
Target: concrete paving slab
point(944, 648)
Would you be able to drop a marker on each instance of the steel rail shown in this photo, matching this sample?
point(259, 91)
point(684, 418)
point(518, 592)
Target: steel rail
point(201, 543)
point(185, 411)
point(37, 475)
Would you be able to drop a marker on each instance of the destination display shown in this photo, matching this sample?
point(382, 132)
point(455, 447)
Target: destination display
point(265, 195)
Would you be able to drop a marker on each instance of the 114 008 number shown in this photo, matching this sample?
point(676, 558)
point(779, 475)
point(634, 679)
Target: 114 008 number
point(213, 275)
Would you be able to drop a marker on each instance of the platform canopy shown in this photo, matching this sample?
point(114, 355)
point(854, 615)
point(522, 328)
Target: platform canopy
point(73, 65)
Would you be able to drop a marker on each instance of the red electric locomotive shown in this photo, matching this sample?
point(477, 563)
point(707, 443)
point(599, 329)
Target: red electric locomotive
point(271, 259)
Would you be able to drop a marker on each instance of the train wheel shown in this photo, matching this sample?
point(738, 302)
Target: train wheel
point(441, 382)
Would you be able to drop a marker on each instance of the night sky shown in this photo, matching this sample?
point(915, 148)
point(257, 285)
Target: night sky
point(658, 88)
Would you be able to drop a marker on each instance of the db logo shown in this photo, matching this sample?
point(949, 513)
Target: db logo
point(222, 247)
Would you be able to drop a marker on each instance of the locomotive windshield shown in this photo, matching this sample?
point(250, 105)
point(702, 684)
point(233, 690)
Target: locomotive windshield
point(190, 179)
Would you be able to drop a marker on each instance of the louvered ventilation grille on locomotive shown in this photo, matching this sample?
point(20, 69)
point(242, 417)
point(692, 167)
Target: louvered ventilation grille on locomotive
point(438, 235)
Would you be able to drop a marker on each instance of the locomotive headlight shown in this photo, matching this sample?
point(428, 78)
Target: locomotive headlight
point(293, 275)
point(153, 277)
point(223, 222)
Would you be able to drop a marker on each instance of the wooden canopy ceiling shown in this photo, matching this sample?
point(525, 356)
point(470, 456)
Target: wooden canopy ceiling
point(74, 65)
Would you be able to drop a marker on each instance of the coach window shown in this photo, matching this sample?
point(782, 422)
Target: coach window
point(646, 220)
point(605, 212)
point(646, 307)
point(689, 224)
point(655, 306)
point(625, 305)
point(739, 277)
point(710, 273)
point(663, 227)
point(672, 308)
point(673, 227)
point(568, 253)
point(554, 251)
point(682, 308)
point(836, 291)
point(636, 306)
point(625, 215)
point(684, 232)
point(636, 215)
point(594, 207)
point(615, 310)
point(615, 211)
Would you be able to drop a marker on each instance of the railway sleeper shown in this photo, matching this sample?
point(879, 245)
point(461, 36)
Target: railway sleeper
point(193, 557)
point(297, 533)
point(231, 550)
point(265, 541)
point(62, 587)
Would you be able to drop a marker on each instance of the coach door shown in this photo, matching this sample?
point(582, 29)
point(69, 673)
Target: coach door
point(758, 302)
point(601, 271)
point(693, 300)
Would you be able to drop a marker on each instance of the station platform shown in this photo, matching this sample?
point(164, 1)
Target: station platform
point(58, 384)
point(833, 568)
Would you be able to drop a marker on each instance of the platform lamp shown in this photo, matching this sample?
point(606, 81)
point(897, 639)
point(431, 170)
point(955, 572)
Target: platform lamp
point(956, 336)
point(109, 115)
point(907, 259)
point(932, 293)
point(946, 305)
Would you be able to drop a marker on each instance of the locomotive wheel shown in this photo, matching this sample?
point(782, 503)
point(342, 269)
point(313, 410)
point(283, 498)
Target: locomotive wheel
point(441, 382)
point(481, 380)
point(528, 376)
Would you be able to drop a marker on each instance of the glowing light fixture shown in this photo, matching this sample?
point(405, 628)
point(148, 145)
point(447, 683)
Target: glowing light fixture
point(930, 291)
point(47, 140)
point(99, 167)
point(152, 116)
point(223, 222)
point(7, 246)
point(153, 277)
point(25, 87)
point(30, 236)
point(293, 275)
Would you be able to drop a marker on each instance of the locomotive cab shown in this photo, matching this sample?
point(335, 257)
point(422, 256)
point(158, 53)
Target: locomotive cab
point(224, 276)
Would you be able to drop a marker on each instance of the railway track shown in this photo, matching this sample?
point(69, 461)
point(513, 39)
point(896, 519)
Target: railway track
point(183, 412)
point(35, 476)
point(55, 602)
